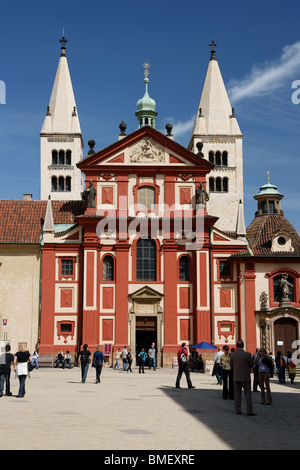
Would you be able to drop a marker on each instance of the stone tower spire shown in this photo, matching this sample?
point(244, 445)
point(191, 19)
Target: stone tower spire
point(61, 139)
point(217, 128)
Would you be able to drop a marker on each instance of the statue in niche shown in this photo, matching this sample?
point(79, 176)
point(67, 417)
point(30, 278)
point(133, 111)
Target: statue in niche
point(201, 195)
point(263, 298)
point(90, 192)
point(285, 285)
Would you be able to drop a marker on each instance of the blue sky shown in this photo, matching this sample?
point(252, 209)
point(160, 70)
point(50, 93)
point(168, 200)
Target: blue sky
point(108, 41)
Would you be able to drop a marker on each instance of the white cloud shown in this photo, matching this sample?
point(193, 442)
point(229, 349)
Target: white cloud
point(266, 78)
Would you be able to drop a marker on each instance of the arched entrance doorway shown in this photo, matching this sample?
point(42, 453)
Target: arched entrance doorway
point(285, 333)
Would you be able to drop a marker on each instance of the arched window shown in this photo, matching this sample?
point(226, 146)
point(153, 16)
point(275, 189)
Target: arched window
point(108, 268)
point(54, 157)
point(225, 158)
point(61, 160)
point(281, 284)
point(184, 268)
point(53, 183)
point(68, 157)
point(146, 260)
point(218, 184)
point(211, 184)
point(146, 196)
point(68, 183)
point(211, 157)
point(218, 158)
point(225, 185)
point(61, 184)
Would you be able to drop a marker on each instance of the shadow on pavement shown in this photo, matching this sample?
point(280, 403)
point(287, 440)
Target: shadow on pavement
point(275, 427)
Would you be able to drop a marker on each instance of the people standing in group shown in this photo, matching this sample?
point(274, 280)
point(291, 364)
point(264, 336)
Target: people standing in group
point(241, 363)
point(124, 353)
point(227, 374)
point(84, 360)
point(263, 363)
point(280, 367)
point(34, 360)
point(129, 359)
point(183, 360)
point(9, 361)
point(152, 356)
point(291, 367)
point(67, 360)
point(142, 360)
point(117, 359)
point(255, 370)
point(22, 357)
point(217, 366)
point(98, 359)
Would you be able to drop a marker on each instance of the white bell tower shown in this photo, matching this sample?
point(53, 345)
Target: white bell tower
point(217, 128)
point(61, 139)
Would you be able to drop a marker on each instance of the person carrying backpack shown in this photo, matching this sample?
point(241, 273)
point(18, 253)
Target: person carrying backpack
point(84, 360)
point(183, 360)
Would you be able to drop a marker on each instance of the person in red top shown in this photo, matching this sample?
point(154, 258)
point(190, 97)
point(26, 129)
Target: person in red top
point(183, 360)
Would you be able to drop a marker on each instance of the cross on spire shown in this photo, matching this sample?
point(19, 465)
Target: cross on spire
point(146, 66)
point(63, 41)
point(213, 44)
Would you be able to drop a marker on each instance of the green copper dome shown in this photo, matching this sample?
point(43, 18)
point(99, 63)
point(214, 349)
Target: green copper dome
point(268, 189)
point(146, 113)
point(146, 103)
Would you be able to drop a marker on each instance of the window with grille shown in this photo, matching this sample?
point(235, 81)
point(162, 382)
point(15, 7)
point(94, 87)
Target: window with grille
point(146, 260)
point(67, 267)
point(146, 196)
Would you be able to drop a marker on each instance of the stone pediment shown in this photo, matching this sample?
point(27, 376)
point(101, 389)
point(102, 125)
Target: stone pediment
point(145, 146)
point(146, 293)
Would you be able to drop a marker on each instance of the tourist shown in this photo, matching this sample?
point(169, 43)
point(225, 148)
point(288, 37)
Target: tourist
point(227, 374)
point(22, 357)
point(217, 366)
point(59, 359)
point(152, 358)
point(117, 358)
point(9, 360)
point(34, 360)
point(292, 367)
point(84, 360)
point(183, 360)
point(280, 367)
point(263, 362)
point(98, 359)
point(129, 359)
point(67, 360)
point(241, 363)
point(142, 358)
point(124, 353)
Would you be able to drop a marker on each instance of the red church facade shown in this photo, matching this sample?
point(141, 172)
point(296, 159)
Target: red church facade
point(143, 262)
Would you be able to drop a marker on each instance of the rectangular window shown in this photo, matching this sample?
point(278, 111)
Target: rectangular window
point(67, 267)
point(224, 268)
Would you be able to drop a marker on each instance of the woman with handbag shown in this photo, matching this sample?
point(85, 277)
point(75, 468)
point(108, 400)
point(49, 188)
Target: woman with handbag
point(22, 357)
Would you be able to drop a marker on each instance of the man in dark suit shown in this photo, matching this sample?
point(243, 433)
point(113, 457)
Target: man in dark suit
point(241, 363)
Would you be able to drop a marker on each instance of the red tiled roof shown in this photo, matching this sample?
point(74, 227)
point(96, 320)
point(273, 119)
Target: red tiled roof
point(262, 227)
point(21, 221)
